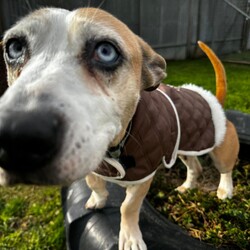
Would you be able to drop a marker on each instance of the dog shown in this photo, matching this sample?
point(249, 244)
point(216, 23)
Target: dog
point(84, 100)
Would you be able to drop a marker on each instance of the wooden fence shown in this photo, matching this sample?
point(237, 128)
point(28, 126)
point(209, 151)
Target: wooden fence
point(171, 27)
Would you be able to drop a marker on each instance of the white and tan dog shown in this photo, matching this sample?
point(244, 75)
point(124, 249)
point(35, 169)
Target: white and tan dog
point(75, 80)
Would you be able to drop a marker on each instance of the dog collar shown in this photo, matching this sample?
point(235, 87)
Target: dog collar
point(115, 152)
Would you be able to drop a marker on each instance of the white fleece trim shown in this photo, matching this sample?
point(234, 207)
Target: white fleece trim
point(126, 183)
point(195, 153)
point(218, 115)
point(177, 144)
point(117, 179)
point(117, 165)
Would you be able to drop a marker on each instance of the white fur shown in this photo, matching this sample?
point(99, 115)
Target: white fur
point(217, 111)
point(97, 200)
point(193, 171)
point(131, 238)
point(225, 189)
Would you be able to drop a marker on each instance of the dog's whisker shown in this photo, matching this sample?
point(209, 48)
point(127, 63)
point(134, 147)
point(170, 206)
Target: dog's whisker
point(28, 5)
point(96, 11)
point(101, 4)
point(133, 138)
point(92, 17)
point(88, 4)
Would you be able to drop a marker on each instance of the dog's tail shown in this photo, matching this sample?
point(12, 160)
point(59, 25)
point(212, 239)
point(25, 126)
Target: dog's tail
point(221, 80)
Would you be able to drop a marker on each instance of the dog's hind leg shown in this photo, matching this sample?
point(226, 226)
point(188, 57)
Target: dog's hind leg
point(194, 169)
point(225, 157)
point(130, 235)
point(99, 193)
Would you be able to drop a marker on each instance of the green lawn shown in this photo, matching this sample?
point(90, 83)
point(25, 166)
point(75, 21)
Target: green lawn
point(200, 72)
point(31, 217)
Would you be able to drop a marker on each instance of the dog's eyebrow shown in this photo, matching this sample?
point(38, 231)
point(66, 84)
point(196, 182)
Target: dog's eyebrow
point(97, 23)
point(13, 34)
point(36, 23)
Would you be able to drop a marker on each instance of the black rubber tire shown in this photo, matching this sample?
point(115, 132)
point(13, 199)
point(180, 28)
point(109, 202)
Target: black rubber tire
point(99, 229)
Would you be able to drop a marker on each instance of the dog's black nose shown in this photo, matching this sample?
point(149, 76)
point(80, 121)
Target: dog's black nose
point(28, 140)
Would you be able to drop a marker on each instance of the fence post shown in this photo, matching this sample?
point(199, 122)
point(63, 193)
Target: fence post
point(246, 31)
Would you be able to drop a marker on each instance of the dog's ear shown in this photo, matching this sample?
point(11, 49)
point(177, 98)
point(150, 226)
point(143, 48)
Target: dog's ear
point(153, 67)
point(3, 72)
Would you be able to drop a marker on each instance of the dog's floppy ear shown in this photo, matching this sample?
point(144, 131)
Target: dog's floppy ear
point(153, 67)
point(3, 72)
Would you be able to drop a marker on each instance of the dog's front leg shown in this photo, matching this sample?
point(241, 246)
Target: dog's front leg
point(99, 193)
point(130, 235)
point(194, 169)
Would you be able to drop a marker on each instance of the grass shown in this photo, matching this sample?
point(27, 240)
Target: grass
point(238, 57)
point(199, 211)
point(31, 217)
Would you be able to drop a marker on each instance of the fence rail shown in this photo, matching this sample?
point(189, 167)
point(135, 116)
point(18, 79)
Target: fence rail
point(171, 27)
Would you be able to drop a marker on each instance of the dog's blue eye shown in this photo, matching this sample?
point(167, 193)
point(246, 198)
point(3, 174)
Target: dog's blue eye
point(106, 53)
point(14, 49)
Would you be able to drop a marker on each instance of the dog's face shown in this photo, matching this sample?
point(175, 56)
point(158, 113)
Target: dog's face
point(74, 83)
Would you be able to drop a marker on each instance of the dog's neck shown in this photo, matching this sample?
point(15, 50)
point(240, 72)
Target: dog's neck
point(115, 152)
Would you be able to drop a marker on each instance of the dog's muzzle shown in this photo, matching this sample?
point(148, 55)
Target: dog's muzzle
point(29, 140)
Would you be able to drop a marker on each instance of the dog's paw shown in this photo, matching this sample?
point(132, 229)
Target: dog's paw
point(96, 201)
point(2, 178)
point(6, 179)
point(131, 239)
point(225, 189)
point(185, 186)
point(223, 194)
point(181, 189)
